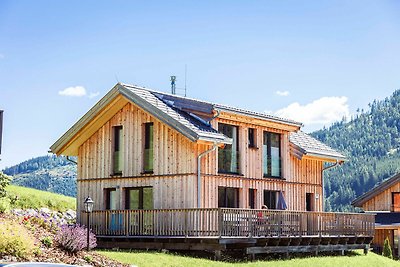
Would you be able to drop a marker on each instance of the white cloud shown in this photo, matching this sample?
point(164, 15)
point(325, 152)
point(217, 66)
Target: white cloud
point(323, 111)
point(93, 95)
point(282, 93)
point(77, 91)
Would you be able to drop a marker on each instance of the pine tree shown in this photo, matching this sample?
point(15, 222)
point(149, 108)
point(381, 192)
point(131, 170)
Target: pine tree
point(387, 250)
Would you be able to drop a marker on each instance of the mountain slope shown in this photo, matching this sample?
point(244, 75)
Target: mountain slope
point(48, 173)
point(371, 142)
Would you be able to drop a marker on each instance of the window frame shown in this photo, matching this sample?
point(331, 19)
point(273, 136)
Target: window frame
point(107, 198)
point(269, 156)
point(225, 197)
point(252, 138)
point(117, 144)
point(146, 145)
point(272, 193)
point(141, 196)
point(237, 149)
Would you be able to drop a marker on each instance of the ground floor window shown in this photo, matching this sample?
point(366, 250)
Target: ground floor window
point(111, 198)
point(137, 198)
point(252, 198)
point(228, 197)
point(270, 199)
point(309, 201)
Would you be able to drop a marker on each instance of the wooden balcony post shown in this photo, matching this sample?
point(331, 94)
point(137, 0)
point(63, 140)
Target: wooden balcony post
point(220, 222)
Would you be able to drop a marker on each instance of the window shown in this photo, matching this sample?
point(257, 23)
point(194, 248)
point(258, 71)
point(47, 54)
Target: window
point(139, 198)
point(118, 157)
point(396, 201)
point(228, 197)
point(270, 199)
point(148, 148)
point(252, 198)
point(271, 155)
point(252, 138)
point(111, 198)
point(309, 201)
point(228, 157)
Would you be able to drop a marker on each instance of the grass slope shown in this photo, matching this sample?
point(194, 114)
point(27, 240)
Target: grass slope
point(28, 198)
point(154, 259)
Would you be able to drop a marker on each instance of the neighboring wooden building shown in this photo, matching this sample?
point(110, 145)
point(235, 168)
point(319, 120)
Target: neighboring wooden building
point(139, 149)
point(384, 201)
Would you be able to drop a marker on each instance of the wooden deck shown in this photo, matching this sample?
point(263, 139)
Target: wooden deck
point(218, 229)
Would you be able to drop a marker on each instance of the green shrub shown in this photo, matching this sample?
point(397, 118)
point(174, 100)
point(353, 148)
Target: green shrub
point(15, 240)
point(4, 182)
point(387, 249)
point(4, 205)
point(47, 241)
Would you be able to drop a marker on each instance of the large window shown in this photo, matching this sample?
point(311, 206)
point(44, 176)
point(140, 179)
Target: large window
point(111, 198)
point(271, 199)
point(228, 157)
point(228, 197)
point(118, 157)
point(139, 198)
point(272, 155)
point(148, 147)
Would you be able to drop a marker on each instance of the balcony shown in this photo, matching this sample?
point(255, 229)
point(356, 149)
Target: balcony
point(224, 227)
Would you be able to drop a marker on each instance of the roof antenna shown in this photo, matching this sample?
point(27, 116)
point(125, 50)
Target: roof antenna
point(185, 77)
point(116, 77)
point(173, 85)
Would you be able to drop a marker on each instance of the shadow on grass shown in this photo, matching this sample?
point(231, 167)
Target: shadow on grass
point(239, 256)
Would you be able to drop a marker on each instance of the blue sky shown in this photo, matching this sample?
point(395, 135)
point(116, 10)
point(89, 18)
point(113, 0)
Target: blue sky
point(314, 61)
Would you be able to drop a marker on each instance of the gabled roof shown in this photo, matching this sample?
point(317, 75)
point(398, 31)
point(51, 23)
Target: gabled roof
point(189, 126)
point(178, 113)
point(307, 145)
point(379, 188)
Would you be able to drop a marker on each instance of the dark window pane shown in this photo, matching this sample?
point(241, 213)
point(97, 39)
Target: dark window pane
point(252, 137)
point(228, 197)
point(148, 148)
point(271, 154)
point(252, 197)
point(118, 152)
point(228, 157)
point(270, 199)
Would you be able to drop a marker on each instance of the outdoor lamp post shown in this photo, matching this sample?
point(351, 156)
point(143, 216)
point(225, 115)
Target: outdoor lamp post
point(88, 208)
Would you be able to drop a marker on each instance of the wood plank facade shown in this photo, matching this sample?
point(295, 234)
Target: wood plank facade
point(174, 175)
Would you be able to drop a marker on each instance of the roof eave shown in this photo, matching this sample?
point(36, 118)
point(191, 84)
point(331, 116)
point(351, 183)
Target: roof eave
point(57, 147)
point(240, 112)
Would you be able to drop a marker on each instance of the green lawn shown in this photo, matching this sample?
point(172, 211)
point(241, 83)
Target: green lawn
point(28, 198)
point(154, 259)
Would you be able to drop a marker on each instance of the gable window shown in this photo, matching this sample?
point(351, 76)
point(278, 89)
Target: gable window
point(228, 197)
point(270, 199)
point(118, 157)
point(252, 138)
point(139, 198)
point(271, 155)
point(228, 157)
point(111, 198)
point(148, 148)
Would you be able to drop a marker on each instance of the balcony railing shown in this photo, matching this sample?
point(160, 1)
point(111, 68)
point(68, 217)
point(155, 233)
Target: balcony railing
point(226, 222)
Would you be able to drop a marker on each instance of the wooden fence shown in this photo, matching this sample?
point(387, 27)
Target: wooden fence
point(226, 222)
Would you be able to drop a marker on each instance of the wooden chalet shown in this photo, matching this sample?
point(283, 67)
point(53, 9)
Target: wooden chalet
point(172, 172)
point(384, 201)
